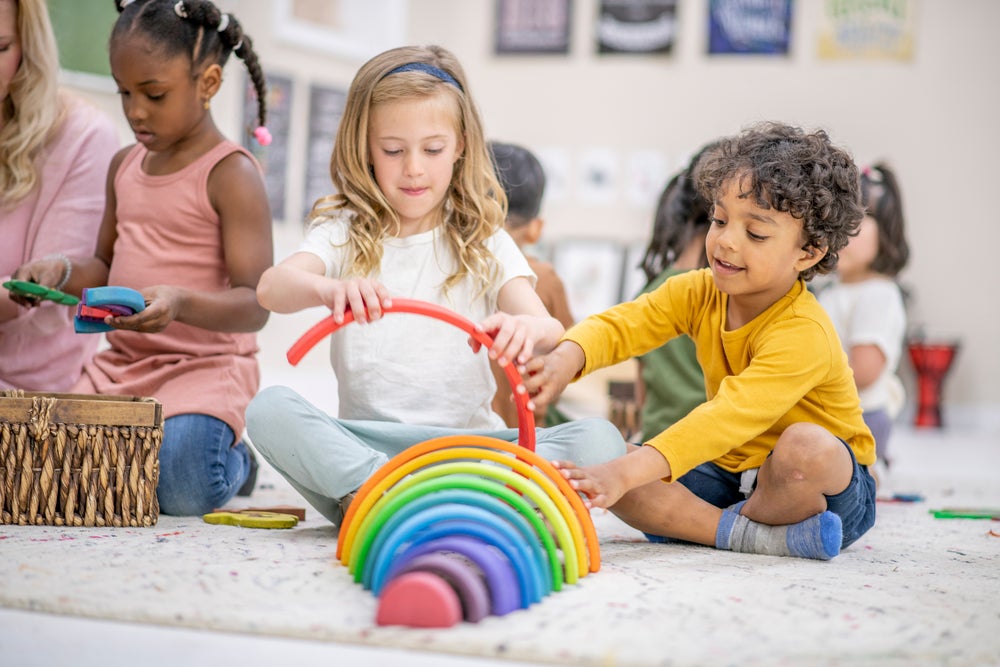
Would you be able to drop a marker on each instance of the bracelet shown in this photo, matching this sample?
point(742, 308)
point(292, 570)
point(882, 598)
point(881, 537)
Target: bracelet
point(67, 272)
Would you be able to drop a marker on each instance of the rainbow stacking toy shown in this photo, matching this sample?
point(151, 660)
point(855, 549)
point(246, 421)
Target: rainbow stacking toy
point(462, 527)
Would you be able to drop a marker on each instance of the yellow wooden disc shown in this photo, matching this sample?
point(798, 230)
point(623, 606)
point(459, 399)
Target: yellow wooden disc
point(252, 519)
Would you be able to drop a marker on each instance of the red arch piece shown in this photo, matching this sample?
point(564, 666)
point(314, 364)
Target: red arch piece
point(327, 326)
point(419, 600)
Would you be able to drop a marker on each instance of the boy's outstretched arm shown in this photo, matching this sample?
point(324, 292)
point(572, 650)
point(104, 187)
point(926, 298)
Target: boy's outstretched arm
point(605, 484)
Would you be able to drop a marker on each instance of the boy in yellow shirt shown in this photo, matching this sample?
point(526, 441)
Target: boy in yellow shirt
point(776, 460)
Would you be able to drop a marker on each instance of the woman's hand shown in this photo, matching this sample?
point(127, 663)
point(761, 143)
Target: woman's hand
point(48, 272)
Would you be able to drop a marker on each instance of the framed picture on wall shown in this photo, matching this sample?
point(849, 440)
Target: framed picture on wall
point(356, 29)
point(633, 277)
point(761, 27)
point(274, 157)
point(591, 271)
point(532, 26)
point(326, 107)
point(867, 30)
point(636, 26)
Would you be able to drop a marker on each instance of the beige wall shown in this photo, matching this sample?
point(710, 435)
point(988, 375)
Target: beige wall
point(935, 119)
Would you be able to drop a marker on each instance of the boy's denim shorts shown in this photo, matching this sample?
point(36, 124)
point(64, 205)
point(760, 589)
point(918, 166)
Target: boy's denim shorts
point(855, 505)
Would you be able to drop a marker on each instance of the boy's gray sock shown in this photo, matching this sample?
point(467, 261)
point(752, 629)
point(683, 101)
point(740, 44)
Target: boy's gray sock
point(817, 537)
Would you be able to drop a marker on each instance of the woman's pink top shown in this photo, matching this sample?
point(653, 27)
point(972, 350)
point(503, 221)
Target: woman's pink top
point(39, 350)
point(169, 234)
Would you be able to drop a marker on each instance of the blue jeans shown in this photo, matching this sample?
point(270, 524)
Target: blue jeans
point(325, 458)
point(200, 469)
point(855, 505)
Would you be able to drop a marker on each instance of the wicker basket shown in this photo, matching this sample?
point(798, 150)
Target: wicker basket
point(79, 460)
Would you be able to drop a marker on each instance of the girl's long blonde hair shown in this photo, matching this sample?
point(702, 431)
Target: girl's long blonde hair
point(476, 205)
point(34, 108)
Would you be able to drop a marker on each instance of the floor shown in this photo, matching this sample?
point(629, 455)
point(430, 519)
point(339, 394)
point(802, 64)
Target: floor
point(36, 639)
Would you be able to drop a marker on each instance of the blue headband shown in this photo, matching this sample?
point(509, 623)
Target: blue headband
point(436, 72)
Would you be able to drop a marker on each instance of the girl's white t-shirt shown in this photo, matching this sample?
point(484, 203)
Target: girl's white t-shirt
point(408, 368)
point(871, 312)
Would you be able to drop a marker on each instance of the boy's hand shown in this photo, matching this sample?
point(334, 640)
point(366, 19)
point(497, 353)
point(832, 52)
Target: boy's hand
point(599, 484)
point(605, 484)
point(546, 377)
point(366, 298)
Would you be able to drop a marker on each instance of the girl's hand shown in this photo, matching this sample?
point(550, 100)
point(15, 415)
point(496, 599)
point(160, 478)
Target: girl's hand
point(366, 298)
point(514, 337)
point(163, 305)
point(48, 272)
point(545, 377)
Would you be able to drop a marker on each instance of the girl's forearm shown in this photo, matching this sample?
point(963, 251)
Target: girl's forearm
point(285, 289)
point(232, 310)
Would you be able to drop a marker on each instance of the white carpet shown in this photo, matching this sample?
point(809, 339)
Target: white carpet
point(915, 590)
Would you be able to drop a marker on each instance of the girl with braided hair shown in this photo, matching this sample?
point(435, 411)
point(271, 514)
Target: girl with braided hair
point(186, 223)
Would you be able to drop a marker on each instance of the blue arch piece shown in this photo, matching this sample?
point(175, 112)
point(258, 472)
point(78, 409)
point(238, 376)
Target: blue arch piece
point(489, 503)
point(501, 580)
point(457, 520)
point(451, 519)
point(112, 294)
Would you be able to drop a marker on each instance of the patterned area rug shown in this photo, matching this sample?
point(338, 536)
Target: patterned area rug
point(915, 590)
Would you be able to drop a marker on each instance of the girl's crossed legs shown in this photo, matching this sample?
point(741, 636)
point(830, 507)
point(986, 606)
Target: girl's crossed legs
point(325, 458)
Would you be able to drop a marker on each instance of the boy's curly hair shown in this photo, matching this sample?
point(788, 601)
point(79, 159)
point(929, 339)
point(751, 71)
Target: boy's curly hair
point(789, 170)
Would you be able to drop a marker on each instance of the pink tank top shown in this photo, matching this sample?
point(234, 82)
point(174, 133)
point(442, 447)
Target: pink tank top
point(169, 234)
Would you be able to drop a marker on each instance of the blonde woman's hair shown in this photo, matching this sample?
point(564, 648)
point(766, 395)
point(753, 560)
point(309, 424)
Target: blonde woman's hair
point(33, 108)
point(476, 205)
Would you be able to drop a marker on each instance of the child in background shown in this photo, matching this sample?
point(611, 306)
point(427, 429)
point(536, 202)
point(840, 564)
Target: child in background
point(187, 225)
point(419, 214)
point(866, 304)
point(670, 382)
point(54, 153)
point(776, 460)
point(523, 180)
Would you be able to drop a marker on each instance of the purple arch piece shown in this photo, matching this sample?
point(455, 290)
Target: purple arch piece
point(505, 590)
point(463, 577)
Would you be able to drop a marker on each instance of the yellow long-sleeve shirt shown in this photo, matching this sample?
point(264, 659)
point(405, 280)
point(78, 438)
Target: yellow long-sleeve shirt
point(785, 366)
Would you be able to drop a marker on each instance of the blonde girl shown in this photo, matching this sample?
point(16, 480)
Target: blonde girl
point(419, 214)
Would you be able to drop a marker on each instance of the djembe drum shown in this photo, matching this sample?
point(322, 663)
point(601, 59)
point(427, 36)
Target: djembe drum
point(931, 360)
